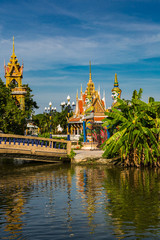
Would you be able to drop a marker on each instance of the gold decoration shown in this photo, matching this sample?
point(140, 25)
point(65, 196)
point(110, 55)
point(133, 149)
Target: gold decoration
point(14, 74)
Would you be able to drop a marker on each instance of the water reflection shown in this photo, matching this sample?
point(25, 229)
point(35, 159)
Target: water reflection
point(89, 185)
point(15, 202)
point(20, 183)
point(133, 204)
point(80, 202)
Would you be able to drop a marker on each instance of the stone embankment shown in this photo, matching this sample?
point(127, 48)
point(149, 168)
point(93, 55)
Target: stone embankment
point(92, 157)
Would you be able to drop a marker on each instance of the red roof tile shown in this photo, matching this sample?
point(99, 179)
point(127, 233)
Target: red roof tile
point(99, 118)
point(80, 106)
point(74, 119)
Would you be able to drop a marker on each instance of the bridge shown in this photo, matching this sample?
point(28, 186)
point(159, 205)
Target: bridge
point(34, 148)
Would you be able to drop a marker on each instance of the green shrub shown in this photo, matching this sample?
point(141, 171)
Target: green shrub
point(72, 154)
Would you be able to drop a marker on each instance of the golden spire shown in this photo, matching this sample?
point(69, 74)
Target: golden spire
point(13, 44)
point(77, 95)
point(81, 89)
point(90, 85)
point(90, 75)
point(116, 81)
point(116, 86)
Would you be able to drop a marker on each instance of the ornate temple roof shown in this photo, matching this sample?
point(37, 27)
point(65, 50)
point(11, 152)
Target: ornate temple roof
point(97, 103)
point(13, 68)
point(14, 75)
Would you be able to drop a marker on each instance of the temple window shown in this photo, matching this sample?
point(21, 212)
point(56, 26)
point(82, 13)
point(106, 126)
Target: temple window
point(14, 82)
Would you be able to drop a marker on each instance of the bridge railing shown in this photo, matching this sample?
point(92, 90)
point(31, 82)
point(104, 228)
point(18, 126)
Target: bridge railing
point(49, 143)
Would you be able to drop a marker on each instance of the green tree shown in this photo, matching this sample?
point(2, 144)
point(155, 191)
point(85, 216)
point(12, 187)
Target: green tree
point(12, 119)
point(43, 120)
point(63, 117)
point(136, 138)
point(30, 104)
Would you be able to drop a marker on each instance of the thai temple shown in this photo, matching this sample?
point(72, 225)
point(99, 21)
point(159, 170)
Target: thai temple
point(90, 109)
point(14, 75)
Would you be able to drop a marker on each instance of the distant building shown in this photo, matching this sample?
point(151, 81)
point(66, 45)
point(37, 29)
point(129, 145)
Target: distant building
point(31, 129)
point(14, 75)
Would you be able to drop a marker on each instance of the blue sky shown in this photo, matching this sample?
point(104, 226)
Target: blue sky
point(57, 38)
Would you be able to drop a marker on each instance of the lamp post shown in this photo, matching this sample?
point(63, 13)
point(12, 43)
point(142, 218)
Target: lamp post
point(50, 109)
point(69, 108)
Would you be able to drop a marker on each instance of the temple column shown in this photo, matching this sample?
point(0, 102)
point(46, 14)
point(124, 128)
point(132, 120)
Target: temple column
point(81, 129)
point(71, 129)
point(78, 130)
point(89, 126)
point(84, 130)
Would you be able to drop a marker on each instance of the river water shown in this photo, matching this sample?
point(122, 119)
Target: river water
point(47, 201)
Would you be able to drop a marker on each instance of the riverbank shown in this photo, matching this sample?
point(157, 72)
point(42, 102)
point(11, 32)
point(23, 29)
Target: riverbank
point(83, 157)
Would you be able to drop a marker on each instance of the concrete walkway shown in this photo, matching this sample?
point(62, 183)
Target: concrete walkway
point(94, 157)
point(84, 155)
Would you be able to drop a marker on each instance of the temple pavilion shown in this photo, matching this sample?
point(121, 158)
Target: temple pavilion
point(14, 75)
point(97, 107)
point(91, 106)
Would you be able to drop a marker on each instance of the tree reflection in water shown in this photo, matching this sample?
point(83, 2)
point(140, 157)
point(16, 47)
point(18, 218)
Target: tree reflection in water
point(133, 204)
point(17, 185)
point(78, 201)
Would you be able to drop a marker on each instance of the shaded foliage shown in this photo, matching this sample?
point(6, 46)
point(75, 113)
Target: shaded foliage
point(43, 121)
point(12, 119)
point(136, 139)
point(30, 104)
point(133, 198)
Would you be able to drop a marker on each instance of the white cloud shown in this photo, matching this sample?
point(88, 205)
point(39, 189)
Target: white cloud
point(110, 39)
point(133, 41)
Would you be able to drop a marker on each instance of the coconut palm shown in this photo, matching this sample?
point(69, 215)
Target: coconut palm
point(137, 131)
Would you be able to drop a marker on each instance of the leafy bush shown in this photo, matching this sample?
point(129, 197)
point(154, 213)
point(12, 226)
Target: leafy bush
point(72, 154)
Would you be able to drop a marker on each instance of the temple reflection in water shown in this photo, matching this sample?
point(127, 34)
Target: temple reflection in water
point(97, 199)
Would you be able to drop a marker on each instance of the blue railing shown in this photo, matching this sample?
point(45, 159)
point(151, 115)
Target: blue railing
point(35, 142)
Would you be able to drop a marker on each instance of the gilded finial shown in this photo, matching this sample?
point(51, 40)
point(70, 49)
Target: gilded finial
point(81, 90)
point(77, 94)
point(116, 91)
point(116, 81)
point(90, 75)
point(13, 44)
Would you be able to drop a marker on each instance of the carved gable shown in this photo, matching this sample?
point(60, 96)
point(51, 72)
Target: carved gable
point(98, 107)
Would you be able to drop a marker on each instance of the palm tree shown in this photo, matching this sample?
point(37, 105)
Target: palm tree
point(137, 131)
